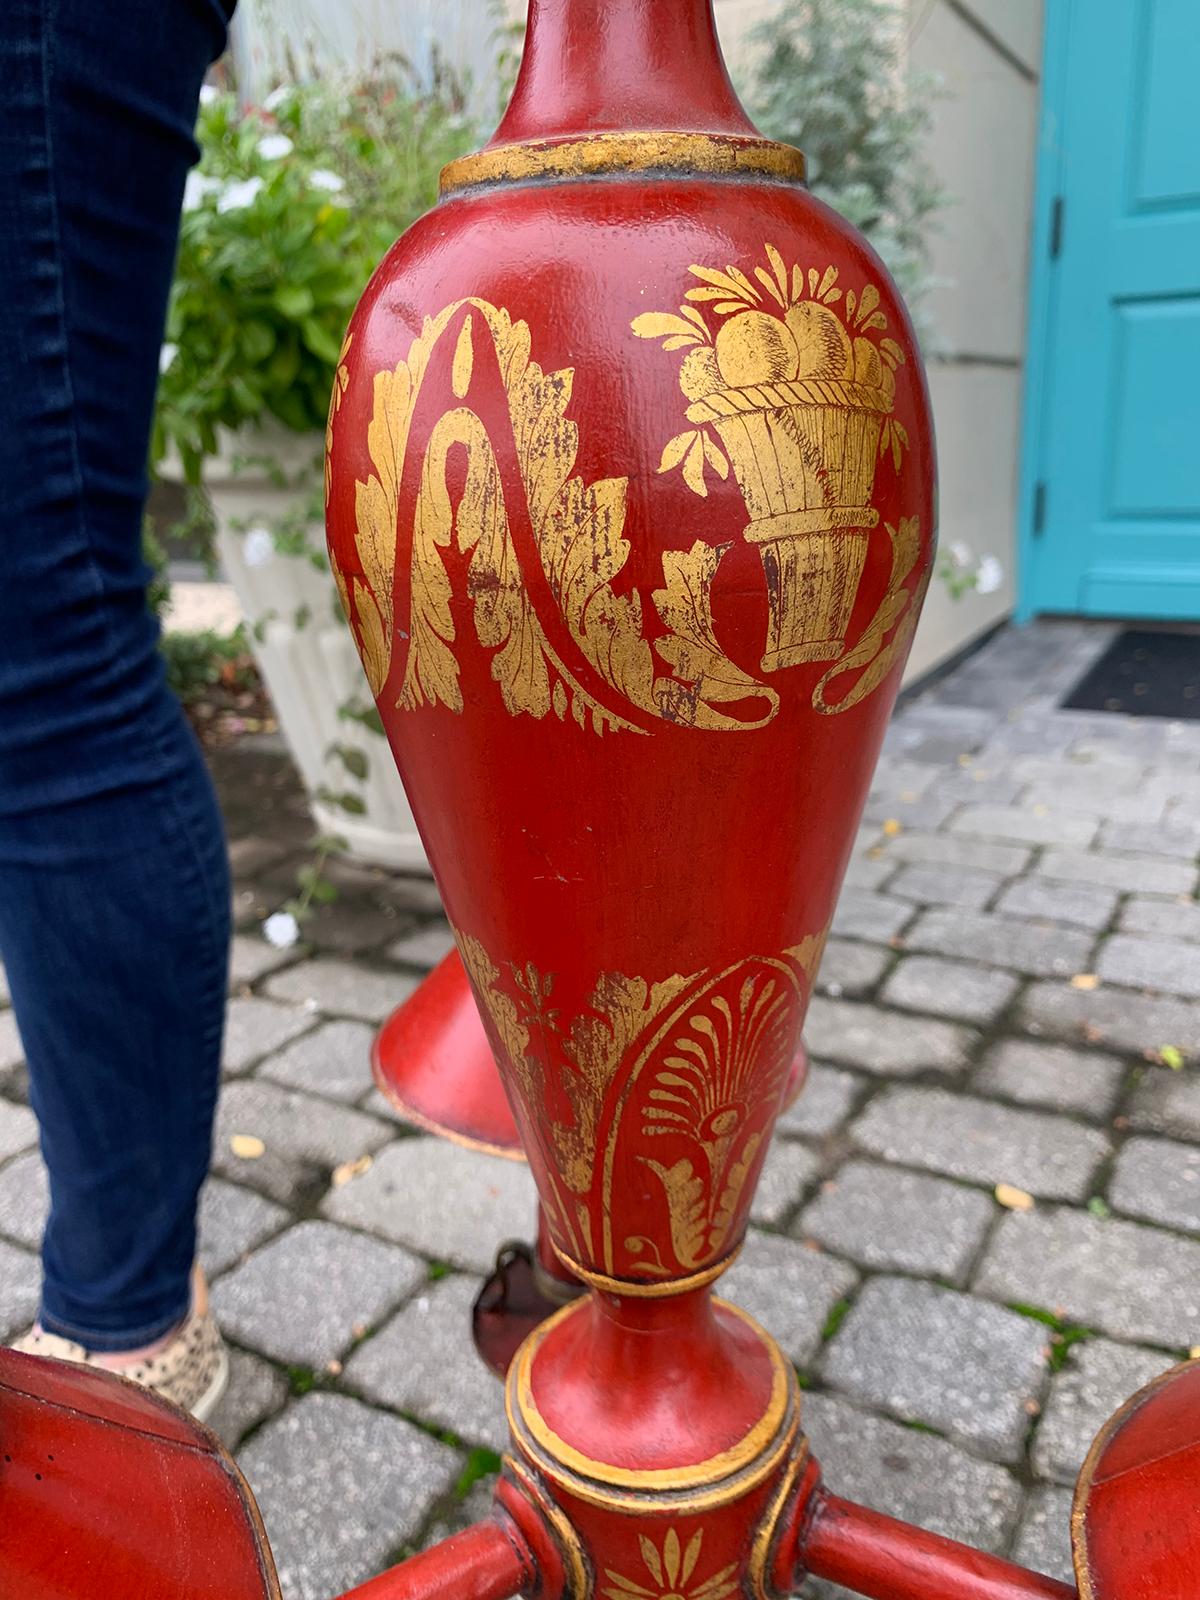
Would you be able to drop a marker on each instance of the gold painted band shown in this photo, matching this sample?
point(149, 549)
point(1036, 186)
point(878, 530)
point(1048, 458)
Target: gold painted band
point(637, 1289)
point(590, 1476)
point(570, 1545)
point(708, 154)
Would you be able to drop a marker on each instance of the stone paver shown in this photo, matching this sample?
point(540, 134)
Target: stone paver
point(1161, 964)
point(861, 915)
point(1099, 1376)
point(882, 1217)
point(1078, 904)
point(24, 1199)
point(1011, 824)
point(20, 1285)
point(341, 1487)
point(256, 1390)
point(931, 884)
point(787, 1172)
point(967, 1138)
point(333, 1060)
point(303, 1138)
point(1019, 944)
point(1158, 1180)
point(828, 1096)
point(423, 1362)
point(1053, 1075)
point(12, 1051)
point(1110, 1016)
point(788, 1287)
point(423, 948)
point(955, 989)
point(881, 1041)
point(342, 988)
point(850, 968)
point(1171, 919)
point(1136, 875)
point(949, 850)
point(233, 1220)
point(1043, 1542)
point(1167, 1102)
point(18, 1129)
point(450, 1204)
point(911, 1475)
point(309, 1294)
point(250, 956)
point(254, 1027)
point(1121, 1277)
point(930, 1355)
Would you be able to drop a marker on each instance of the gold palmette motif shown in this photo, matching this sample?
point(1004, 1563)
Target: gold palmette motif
point(686, 1074)
point(672, 1575)
point(795, 393)
point(591, 661)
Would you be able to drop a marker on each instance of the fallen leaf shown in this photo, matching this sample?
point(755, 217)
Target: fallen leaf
point(1013, 1199)
point(1085, 980)
point(248, 1146)
point(350, 1169)
point(1171, 1056)
point(892, 827)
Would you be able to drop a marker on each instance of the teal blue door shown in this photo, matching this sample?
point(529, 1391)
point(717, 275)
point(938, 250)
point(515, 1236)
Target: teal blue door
point(1111, 471)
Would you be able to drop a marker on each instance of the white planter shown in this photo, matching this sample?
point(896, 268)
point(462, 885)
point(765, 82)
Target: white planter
point(310, 669)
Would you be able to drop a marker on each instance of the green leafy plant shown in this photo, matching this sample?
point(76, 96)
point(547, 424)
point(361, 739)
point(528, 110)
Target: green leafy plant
point(830, 77)
point(289, 212)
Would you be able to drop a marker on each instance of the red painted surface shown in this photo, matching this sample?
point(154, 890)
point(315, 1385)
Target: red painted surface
point(1139, 1497)
point(596, 65)
point(634, 628)
point(105, 1491)
point(877, 1556)
point(432, 1059)
point(485, 1562)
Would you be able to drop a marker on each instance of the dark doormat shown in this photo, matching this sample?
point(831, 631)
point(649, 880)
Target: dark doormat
point(1143, 674)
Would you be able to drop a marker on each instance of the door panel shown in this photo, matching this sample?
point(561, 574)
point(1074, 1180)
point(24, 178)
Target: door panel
point(1117, 443)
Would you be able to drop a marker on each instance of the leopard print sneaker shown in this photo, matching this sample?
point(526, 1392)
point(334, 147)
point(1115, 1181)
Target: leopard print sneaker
point(191, 1369)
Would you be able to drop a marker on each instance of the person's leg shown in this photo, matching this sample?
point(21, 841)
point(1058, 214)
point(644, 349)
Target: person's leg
point(114, 898)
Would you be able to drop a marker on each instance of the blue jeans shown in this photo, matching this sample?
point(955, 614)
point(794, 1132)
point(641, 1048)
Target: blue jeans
point(114, 890)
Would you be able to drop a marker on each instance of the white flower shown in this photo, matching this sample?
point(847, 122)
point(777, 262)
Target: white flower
point(165, 357)
point(275, 146)
point(207, 94)
point(321, 179)
point(236, 195)
point(281, 929)
point(197, 189)
point(960, 555)
point(258, 547)
point(990, 575)
point(276, 97)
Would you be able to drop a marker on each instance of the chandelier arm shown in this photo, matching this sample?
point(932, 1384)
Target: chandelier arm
point(487, 1561)
point(886, 1559)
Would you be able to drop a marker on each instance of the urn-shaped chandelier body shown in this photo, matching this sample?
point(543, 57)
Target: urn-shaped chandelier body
point(630, 505)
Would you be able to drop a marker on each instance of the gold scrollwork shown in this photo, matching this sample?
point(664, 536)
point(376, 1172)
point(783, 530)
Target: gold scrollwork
point(796, 391)
point(542, 561)
point(684, 1076)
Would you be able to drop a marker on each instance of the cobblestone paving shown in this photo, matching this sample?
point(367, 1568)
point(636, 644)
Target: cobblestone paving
point(1010, 998)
